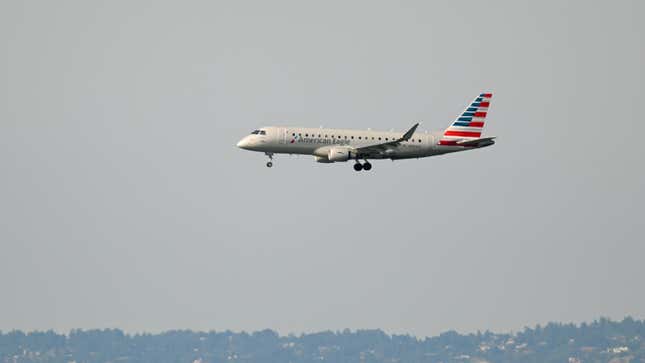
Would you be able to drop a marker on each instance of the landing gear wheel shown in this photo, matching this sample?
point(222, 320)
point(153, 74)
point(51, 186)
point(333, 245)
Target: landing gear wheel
point(270, 162)
point(367, 166)
point(358, 167)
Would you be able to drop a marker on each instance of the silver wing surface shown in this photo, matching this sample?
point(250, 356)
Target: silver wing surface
point(382, 148)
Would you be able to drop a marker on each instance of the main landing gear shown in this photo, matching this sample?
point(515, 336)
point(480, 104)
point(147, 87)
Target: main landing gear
point(270, 162)
point(365, 166)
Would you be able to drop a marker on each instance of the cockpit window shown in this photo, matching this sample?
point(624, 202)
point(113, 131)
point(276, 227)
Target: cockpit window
point(255, 132)
point(262, 132)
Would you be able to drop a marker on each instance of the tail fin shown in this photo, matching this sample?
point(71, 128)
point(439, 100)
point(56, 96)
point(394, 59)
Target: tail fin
point(470, 124)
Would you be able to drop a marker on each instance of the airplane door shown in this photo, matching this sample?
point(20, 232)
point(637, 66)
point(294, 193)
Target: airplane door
point(282, 135)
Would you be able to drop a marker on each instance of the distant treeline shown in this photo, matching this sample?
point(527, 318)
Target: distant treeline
point(601, 341)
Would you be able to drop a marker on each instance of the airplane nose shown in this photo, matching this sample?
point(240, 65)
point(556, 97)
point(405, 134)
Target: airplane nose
point(244, 143)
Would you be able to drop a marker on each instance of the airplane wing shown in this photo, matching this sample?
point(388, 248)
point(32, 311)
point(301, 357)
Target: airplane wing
point(368, 150)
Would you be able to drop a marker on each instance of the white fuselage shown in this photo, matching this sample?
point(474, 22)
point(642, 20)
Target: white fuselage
point(318, 142)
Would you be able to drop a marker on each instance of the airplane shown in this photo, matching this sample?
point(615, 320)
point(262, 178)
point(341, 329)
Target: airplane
point(341, 145)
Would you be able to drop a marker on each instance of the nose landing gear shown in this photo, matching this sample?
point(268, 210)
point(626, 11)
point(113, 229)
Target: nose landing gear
point(270, 162)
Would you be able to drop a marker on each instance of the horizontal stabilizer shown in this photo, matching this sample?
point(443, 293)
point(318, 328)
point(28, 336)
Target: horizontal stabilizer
point(484, 141)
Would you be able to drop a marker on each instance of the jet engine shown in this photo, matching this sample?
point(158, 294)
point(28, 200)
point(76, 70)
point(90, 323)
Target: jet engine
point(339, 154)
point(322, 159)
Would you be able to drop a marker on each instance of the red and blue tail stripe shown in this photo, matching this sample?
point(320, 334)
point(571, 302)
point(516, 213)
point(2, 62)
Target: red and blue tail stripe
point(470, 124)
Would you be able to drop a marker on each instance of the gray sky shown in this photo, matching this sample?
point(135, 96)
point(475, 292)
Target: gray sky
point(125, 203)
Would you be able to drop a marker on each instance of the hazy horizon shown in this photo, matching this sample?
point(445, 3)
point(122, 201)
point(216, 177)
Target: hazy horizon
point(340, 330)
